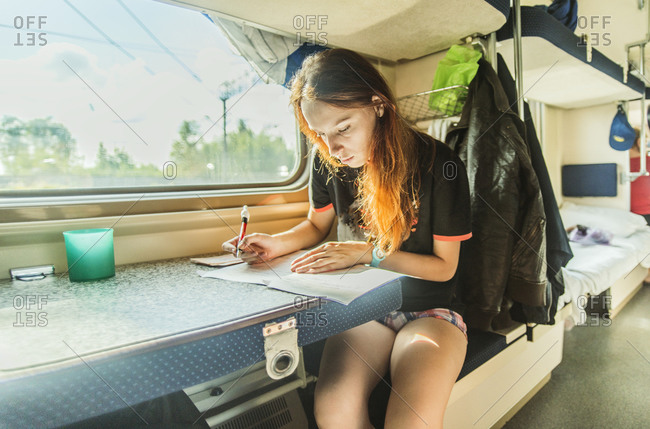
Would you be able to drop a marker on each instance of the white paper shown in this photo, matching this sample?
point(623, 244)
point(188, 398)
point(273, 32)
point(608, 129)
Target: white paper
point(341, 285)
point(262, 273)
point(218, 261)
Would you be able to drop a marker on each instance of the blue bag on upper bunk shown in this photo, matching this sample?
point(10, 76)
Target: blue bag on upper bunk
point(294, 61)
point(565, 11)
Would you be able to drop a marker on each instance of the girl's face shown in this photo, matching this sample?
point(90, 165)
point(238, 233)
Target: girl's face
point(346, 132)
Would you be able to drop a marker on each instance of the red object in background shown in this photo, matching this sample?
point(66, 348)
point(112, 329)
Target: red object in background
point(639, 189)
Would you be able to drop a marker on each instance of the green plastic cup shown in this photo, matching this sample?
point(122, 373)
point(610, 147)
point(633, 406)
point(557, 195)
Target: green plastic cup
point(90, 254)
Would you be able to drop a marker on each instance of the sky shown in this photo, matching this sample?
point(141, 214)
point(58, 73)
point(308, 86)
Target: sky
point(131, 93)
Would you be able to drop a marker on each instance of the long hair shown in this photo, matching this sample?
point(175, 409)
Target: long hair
point(390, 180)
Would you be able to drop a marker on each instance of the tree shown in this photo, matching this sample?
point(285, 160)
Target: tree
point(246, 157)
point(36, 146)
point(14, 149)
point(188, 152)
point(41, 153)
point(119, 163)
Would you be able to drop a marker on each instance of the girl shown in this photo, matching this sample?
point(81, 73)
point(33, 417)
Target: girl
point(401, 200)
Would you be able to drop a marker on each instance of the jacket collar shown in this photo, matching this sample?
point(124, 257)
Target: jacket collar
point(497, 102)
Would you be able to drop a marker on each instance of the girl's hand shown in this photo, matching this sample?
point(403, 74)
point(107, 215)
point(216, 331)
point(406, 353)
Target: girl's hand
point(254, 248)
point(333, 256)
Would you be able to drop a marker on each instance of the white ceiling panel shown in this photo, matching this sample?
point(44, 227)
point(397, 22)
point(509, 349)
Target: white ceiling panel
point(391, 30)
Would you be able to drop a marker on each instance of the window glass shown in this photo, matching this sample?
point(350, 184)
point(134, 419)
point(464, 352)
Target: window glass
point(131, 93)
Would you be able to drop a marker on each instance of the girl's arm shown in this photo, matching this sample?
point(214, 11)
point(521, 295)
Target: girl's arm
point(439, 267)
point(307, 233)
point(259, 247)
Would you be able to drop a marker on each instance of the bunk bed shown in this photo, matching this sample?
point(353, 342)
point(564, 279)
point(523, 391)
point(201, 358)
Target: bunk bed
point(615, 270)
point(562, 69)
point(558, 69)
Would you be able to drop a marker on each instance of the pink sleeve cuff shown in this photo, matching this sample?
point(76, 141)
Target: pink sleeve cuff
point(452, 237)
point(323, 209)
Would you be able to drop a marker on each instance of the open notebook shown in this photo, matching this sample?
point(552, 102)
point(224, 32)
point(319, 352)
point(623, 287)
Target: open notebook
point(342, 286)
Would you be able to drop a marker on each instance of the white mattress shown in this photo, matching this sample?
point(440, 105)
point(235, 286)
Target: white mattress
point(593, 269)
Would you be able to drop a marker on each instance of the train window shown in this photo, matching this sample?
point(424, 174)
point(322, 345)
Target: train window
point(132, 94)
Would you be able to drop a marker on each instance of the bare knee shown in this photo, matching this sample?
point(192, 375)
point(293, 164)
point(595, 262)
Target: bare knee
point(353, 362)
point(340, 408)
point(427, 357)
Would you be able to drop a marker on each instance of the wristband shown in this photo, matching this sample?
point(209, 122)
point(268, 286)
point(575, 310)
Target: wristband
point(378, 255)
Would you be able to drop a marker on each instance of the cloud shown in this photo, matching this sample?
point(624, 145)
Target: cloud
point(94, 104)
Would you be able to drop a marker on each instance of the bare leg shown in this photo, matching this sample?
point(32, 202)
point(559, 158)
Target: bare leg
point(427, 357)
point(353, 363)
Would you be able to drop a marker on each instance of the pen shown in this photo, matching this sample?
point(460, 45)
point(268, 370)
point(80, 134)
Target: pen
point(244, 222)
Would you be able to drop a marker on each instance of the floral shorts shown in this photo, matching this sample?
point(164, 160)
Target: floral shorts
point(397, 319)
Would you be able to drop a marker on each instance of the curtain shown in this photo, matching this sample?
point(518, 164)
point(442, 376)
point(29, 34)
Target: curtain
point(275, 58)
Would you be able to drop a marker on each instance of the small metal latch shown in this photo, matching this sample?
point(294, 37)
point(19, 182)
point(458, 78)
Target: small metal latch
point(31, 273)
point(281, 348)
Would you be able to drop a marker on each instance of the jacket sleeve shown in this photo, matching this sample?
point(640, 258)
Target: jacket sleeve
point(527, 280)
point(486, 259)
point(505, 257)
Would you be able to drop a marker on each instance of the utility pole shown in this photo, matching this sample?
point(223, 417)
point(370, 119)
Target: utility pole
point(227, 90)
point(222, 176)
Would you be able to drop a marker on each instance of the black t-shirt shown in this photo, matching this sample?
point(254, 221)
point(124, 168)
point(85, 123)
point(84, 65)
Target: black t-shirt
point(444, 214)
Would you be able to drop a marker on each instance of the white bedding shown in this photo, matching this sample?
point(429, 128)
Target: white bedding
point(593, 269)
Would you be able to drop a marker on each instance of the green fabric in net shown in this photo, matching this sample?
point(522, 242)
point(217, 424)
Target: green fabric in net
point(457, 68)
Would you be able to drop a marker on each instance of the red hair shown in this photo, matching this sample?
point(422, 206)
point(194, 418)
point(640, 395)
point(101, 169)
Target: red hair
point(389, 182)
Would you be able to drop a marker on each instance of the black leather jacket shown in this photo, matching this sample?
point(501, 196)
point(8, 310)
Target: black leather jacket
point(506, 256)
